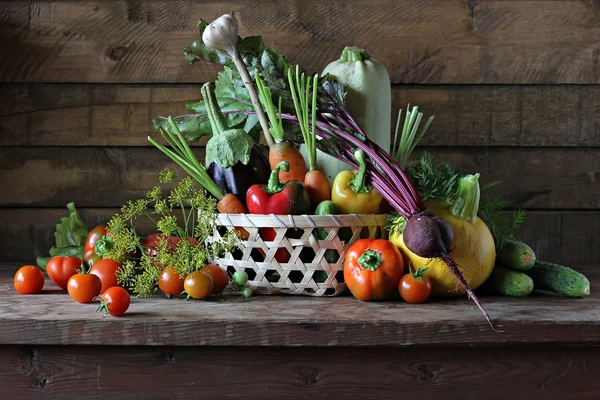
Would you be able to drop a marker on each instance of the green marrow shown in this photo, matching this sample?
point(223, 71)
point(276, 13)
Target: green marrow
point(559, 279)
point(516, 255)
point(511, 283)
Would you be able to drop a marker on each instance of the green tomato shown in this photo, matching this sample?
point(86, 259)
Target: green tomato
point(247, 292)
point(240, 277)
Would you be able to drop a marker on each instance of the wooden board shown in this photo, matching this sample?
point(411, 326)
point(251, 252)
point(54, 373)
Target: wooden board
point(425, 41)
point(565, 178)
point(51, 372)
point(567, 237)
point(53, 318)
point(466, 115)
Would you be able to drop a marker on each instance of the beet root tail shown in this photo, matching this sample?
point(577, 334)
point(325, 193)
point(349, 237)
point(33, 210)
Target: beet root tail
point(447, 258)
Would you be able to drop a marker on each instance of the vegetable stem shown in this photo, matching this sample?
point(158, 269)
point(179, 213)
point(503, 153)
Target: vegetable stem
point(370, 260)
point(262, 119)
point(276, 130)
point(215, 116)
point(358, 182)
point(183, 156)
point(466, 205)
point(306, 109)
point(274, 185)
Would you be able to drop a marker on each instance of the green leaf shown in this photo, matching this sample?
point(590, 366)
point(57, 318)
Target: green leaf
point(70, 236)
point(330, 92)
point(193, 127)
point(228, 148)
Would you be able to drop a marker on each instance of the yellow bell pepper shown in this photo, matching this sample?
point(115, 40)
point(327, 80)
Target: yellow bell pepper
point(351, 194)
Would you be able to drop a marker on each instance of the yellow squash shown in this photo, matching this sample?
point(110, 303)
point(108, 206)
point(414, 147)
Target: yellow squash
point(473, 247)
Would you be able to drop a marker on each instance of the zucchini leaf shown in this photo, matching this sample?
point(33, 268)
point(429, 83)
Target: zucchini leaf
point(70, 236)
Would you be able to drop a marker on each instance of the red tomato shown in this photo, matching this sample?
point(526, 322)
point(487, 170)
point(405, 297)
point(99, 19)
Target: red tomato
point(115, 301)
point(198, 285)
point(174, 240)
point(60, 269)
point(415, 287)
point(219, 276)
point(106, 270)
point(170, 282)
point(84, 287)
point(150, 244)
point(373, 268)
point(29, 280)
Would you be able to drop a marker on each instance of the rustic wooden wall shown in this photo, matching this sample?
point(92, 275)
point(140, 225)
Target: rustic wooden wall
point(513, 85)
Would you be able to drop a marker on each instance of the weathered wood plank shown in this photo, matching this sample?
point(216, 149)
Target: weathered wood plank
point(466, 115)
point(567, 237)
point(49, 372)
point(427, 41)
point(543, 178)
point(299, 320)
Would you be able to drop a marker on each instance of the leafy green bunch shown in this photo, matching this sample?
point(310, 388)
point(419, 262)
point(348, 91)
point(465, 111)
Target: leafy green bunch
point(184, 221)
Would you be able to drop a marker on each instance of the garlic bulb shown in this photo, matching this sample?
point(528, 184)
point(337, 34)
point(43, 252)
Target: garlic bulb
point(222, 34)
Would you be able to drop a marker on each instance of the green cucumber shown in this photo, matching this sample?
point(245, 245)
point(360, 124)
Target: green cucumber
point(559, 279)
point(511, 283)
point(516, 255)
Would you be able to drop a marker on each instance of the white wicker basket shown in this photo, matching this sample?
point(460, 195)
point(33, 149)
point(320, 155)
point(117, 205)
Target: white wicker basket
point(307, 255)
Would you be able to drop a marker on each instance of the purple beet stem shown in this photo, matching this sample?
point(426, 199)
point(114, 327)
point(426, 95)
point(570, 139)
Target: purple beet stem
point(454, 269)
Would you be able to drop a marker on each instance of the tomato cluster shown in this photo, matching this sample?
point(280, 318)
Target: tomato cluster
point(94, 277)
point(83, 284)
point(210, 279)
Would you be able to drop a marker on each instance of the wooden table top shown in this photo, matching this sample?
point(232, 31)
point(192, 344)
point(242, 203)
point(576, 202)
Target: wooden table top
point(53, 318)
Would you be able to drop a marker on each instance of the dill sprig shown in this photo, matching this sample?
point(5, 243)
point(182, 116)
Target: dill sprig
point(434, 179)
point(182, 239)
point(503, 226)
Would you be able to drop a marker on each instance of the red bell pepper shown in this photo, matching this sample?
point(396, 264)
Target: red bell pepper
point(89, 254)
point(278, 198)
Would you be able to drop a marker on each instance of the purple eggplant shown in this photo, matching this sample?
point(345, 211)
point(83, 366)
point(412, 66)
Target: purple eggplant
point(238, 178)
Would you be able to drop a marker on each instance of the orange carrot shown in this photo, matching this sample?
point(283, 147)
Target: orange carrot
point(287, 151)
point(230, 204)
point(318, 187)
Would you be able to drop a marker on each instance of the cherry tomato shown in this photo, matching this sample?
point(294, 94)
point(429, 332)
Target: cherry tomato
point(150, 244)
point(170, 282)
point(106, 270)
point(84, 287)
point(115, 301)
point(219, 276)
point(60, 269)
point(373, 268)
point(415, 287)
point(240, 277)
point(198, 285)
point(29, 280)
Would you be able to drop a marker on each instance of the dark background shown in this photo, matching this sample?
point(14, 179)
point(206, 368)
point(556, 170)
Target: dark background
point(513, 86)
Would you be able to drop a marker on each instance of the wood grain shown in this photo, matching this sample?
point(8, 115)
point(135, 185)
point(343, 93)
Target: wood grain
point(53, 318)
point(568, 237)
point(109, 176)
point(466, 115)
point(425, 41)
point(50, 372)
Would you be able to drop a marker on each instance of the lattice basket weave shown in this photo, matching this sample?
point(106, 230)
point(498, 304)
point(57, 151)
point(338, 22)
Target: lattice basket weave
point(297, 235)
